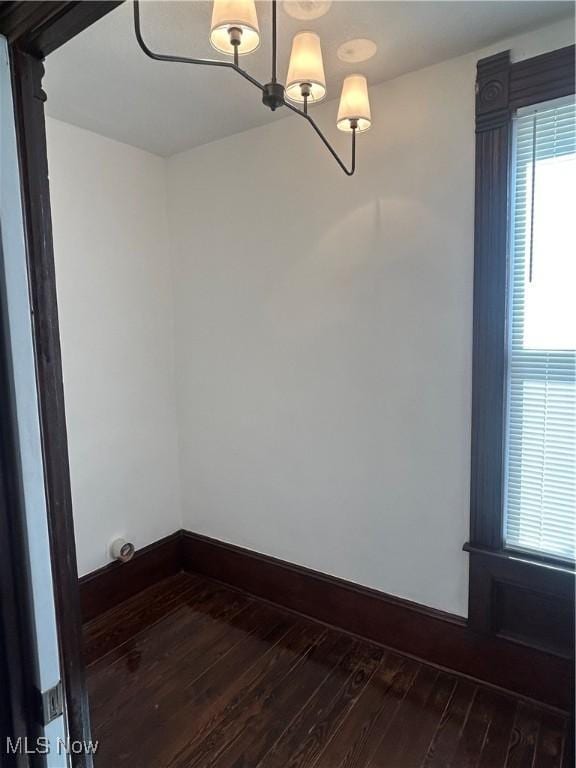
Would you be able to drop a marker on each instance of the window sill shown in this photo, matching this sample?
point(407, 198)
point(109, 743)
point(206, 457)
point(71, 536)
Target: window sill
point(528, 558)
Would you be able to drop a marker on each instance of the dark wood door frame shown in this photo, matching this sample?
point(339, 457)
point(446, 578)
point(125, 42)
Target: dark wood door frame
point(34, 30)
point(16, 631)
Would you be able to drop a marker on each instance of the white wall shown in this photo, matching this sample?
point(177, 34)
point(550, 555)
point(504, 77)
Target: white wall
point(322, 336)
point(324, 329)
point(117, 328)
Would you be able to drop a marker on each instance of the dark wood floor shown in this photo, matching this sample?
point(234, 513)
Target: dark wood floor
point(191, 674)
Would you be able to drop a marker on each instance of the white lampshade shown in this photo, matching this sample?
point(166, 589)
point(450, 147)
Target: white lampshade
point(306, 66)
point(240, 14)
point(354, 104)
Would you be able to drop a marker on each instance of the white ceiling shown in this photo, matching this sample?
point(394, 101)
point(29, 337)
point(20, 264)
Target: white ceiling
point(101, 80)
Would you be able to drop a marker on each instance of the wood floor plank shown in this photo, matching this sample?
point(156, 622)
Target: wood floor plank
point(196, 707)
point(197, 675)
point(121, 623)
point(184, 705)
point(364, 727)
point(406, 743)
point(301, 743)
point(445, 740)
point(302, 645)
point(204, 649)
point(192, 602)
point(474, 732)
point(522, 746)
point(203, 632)
point(167, 636)
point(502, 711)
point(170, 588)
point(306, 683)
point(551, 741)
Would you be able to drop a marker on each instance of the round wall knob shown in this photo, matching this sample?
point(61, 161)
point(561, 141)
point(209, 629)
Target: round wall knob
point(122, 550)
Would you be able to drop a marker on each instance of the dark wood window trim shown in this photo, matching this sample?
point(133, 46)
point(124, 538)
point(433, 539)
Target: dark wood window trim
point(526, 598)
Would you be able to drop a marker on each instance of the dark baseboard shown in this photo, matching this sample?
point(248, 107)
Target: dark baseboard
point(433, 636)
point(108, 586)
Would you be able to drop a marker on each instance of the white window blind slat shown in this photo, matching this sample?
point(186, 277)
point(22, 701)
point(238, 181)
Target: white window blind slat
point(540, 439)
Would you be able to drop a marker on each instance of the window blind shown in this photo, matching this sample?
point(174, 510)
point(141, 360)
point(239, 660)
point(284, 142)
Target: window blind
point(540, 439)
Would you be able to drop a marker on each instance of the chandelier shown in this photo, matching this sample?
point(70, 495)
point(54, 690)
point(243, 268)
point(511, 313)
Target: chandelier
point(235, 32)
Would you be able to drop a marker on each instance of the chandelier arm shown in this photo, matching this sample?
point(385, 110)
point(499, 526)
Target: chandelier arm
point(234, 66)
point(348, 171)
point(274, 41)
point(185, 59)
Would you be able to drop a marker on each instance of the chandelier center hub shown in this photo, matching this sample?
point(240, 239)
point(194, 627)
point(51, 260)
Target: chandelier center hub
point(273, 95)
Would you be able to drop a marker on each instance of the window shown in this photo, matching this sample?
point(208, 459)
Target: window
point(540, 439)
point(522, 584)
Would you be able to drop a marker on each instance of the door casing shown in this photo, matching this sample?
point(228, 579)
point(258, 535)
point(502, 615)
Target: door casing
point(34, 30)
